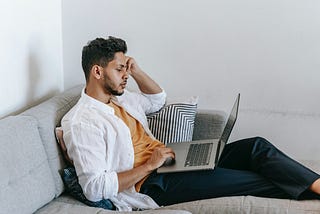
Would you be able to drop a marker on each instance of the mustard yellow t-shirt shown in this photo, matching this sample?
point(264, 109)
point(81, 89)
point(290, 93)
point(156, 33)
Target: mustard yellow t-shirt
point(142, 143)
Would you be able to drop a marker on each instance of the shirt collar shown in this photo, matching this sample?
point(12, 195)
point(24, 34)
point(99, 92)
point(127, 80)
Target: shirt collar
point(96, 103)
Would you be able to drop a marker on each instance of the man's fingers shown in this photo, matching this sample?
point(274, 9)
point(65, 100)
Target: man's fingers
point(129, 64)
point(166, 152)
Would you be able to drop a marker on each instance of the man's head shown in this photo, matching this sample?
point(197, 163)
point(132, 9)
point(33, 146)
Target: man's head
point(100, 52)
point(104, 64)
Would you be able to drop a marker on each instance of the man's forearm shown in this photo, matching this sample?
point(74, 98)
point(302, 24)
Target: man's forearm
point(129, 178)
point(146, 84)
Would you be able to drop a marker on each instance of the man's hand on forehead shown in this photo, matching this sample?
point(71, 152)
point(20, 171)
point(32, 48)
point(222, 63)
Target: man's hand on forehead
point(128, 64)
point(128, 61)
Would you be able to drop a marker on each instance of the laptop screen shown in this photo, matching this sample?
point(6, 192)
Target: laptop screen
point(229, 125)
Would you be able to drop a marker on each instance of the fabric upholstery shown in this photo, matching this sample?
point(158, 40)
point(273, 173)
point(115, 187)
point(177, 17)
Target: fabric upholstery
point(26, 181)
point(236, 204)
point(49, 114)
point(249, 205)
point(57, 207)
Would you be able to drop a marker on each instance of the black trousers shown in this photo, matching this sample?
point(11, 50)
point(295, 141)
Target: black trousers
point(247, 167)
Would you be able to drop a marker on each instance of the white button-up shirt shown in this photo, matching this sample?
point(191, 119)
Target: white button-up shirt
point(99, 143)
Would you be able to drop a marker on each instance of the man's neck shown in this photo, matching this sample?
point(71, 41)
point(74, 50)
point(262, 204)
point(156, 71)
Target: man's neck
point(98, 94)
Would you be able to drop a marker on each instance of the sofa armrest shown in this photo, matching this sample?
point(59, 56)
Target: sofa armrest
point(208, 124)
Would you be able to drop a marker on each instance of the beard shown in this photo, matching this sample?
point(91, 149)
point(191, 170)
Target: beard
point(113, 91)
point(116, 93)
point(110, 87)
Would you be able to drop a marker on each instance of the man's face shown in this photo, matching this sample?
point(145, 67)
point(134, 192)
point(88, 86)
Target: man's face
point(115, 75)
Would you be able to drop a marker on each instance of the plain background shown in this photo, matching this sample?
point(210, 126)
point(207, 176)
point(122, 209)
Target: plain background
point(268, 50)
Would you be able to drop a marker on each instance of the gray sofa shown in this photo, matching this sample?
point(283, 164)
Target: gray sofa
point(31, 163)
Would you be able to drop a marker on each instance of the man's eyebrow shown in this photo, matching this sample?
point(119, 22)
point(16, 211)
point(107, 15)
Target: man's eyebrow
point(122, 66)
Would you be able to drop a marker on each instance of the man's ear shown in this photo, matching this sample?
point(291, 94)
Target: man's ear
point(96, 72)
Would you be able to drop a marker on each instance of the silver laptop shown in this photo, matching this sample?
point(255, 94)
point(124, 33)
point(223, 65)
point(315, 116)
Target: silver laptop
point(201, 154)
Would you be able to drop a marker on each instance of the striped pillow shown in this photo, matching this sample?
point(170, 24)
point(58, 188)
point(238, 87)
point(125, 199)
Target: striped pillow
point(174, 122)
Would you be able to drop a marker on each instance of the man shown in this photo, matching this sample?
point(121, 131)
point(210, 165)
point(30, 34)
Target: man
point(115, 155)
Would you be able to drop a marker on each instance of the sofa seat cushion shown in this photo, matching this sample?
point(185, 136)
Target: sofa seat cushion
point(26, 181)
point(66, 204)
point(248, 205)
point(236, 204)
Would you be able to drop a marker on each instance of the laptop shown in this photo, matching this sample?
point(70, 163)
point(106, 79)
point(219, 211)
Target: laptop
point(201, 154)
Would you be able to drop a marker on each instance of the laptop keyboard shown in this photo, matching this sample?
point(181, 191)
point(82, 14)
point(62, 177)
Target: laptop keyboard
point(199, 154)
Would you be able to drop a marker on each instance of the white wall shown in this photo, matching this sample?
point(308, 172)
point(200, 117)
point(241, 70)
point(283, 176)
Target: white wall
point(30, 53)
point(268, 50)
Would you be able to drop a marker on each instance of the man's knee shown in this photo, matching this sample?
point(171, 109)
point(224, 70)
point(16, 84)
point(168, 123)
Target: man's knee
point(254, 141)
point(260, 141)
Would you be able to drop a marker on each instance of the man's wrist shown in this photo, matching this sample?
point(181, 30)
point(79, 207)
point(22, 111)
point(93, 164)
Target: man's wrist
point(136, 73)
point(149, 168)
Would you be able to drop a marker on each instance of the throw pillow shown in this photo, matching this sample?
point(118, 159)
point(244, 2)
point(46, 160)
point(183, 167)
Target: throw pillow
point(175, 121)
point(59, 137)
point(70, 180)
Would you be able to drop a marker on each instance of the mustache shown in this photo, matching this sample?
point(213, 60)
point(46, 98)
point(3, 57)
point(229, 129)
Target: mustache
point(124, 83)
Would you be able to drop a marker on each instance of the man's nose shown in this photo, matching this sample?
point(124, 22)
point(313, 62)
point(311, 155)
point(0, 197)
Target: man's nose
point(126, 74)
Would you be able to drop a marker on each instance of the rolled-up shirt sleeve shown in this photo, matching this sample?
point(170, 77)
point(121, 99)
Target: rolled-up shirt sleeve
point(87, 148)
point(157, 101)
point(149, 102)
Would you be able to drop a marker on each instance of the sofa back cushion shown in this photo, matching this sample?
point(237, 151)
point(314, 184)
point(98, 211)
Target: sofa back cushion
point(49, 114)
point(26, 181)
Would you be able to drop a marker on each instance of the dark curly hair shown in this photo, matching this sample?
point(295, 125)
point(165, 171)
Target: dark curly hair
point(100, 52)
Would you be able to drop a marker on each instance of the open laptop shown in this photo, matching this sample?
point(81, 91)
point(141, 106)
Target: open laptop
point(201, 154)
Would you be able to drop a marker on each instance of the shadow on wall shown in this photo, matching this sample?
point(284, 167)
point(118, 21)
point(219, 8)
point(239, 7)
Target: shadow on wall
point(34, 76)
point(34, 80)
